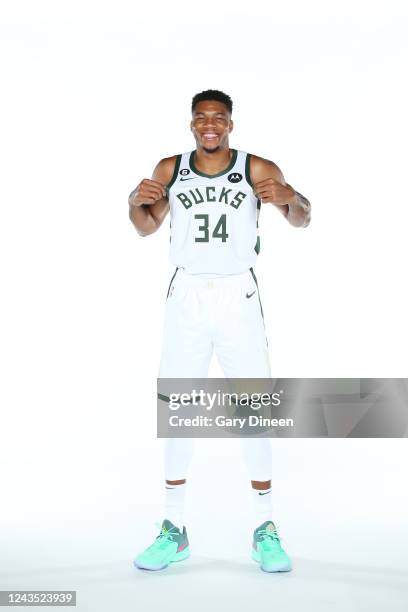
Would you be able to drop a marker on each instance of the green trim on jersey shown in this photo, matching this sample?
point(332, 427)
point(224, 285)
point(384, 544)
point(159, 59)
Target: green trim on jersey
point(175, 172)
point(247, 173)
point(227, 169)
point(257, 246)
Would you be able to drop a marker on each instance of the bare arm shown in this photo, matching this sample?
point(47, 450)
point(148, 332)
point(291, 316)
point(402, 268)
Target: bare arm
point(270, 186)
point(148, 203)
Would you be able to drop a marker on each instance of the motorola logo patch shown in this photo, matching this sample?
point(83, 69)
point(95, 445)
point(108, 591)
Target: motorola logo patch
point(235, 177)
point(184, 172)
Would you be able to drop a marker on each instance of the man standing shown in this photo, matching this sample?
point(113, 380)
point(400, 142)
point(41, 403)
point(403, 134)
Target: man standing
point(214, 195)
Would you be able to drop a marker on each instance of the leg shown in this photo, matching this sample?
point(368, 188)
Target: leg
point(242, 351)
point(178, 453)
point(186, 353)
point(258, 459)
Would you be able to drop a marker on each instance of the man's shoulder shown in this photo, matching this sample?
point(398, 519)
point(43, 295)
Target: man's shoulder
point(261, 168)
point(165, 168)
point(169, 162)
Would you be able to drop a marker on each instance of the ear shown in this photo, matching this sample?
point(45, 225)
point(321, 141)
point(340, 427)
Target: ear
point(191, 125)
point(231, 127)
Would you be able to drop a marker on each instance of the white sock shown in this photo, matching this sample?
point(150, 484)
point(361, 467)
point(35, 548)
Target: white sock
point(174, 504)
point(262, 505)
point(178, 453)
point(257, 453)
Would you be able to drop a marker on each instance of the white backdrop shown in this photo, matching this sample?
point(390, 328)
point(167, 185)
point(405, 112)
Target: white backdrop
point(93, 95)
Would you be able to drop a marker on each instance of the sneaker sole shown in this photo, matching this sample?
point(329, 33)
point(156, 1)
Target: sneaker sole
point(285, 567)
point(184, 554)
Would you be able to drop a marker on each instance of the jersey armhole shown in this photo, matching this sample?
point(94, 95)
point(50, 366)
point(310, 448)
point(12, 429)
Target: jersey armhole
point(257, 246)
point(247, 172)
point(175, 172)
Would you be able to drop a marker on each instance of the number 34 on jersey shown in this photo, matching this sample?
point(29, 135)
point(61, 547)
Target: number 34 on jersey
point(214, 219)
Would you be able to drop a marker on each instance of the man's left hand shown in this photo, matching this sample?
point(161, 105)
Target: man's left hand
point(271, 191)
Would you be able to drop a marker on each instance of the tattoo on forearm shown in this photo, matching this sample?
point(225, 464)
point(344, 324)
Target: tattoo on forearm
point(306, 207)
point(130, 198)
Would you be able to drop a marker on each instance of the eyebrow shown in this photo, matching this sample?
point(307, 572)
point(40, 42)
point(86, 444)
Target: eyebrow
point(211, 113)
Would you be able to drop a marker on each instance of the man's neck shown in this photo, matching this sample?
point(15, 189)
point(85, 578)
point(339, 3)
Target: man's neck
point(212, 162)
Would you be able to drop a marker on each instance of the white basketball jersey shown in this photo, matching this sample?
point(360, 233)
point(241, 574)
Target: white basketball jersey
point(213, 218)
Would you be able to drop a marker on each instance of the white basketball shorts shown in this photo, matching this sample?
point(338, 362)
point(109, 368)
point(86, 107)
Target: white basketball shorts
point(222, 314)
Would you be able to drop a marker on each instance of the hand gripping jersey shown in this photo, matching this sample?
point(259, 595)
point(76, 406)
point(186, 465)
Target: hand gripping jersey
point(213, 218)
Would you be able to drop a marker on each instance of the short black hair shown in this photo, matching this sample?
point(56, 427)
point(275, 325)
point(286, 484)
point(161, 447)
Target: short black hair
point(212, 94)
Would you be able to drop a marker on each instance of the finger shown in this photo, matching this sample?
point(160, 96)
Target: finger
point(153, 192)
point(267, 181)
point(264, 193)
point(153, 183)
point(147, 200)
point(264, 188)
point(157, 184)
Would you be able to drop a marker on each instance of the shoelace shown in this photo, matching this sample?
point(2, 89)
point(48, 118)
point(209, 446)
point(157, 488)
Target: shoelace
point(270, 539)
point(163, 538)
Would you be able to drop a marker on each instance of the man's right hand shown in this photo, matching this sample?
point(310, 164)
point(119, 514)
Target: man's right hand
point(147, 192)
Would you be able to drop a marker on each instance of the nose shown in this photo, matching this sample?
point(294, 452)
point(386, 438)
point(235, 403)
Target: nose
point(209, 123)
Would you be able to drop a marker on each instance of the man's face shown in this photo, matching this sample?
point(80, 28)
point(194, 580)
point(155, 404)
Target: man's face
point(211, 124)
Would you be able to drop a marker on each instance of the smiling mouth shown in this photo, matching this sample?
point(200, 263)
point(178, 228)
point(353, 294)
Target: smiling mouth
point(210, 136)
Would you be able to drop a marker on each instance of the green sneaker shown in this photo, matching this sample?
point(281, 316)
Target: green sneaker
point(267, 549)
point(170, 545)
